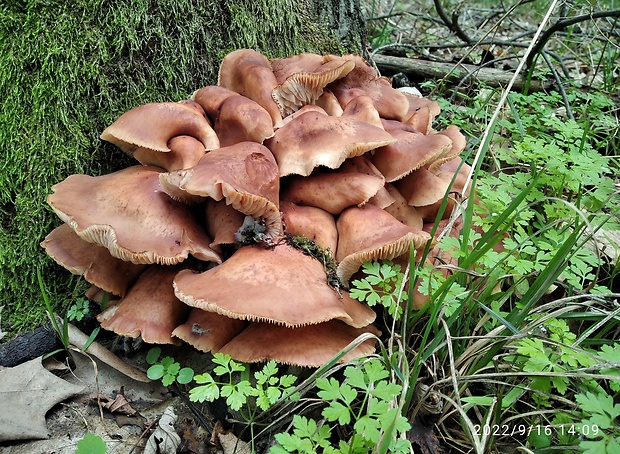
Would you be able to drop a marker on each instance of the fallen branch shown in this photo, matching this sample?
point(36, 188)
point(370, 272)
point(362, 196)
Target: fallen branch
point(78, 339)
point(424, 69)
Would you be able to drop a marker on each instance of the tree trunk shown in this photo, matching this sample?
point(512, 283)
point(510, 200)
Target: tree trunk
point(68, 69)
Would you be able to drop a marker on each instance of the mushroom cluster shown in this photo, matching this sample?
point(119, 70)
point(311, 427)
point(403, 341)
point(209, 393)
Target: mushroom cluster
point(195, 240)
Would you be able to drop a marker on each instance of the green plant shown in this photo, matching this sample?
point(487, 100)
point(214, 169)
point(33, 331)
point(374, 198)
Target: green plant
point(91, 444)
point(266, 389)
point(365, 402)
point(167, 369)
point(62, 330)
point(78, 310)
point(600, 428)
point(380, 286)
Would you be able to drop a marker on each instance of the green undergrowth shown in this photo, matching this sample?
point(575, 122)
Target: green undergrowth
point(69, 69)
point(520, 339)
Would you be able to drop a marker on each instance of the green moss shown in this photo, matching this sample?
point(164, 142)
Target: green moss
point(69, 68)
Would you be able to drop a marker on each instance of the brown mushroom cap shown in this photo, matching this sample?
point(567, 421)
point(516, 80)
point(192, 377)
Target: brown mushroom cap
point(240, 119)
point(362, 108)
point(402, 211)
point(302, 78)
point(313, 139)
point(422, 187)
point(363, 79)
point(281, 285)
point(458, 145)
point(222, 222)
point(333, 191)
point(421, 113)
point(92, 261)
point(306, 346)
point(329, 103)
point(128, 213)
point(211, 99)
point(208, 331)
point(149, 309)
point(153, 125)
point(303, 110)
point(185, 152)
point(313, 223)
point(409, 153)
point(245, 174)
point(369, 234)
point(249, 73)
point(98, 295)
point(382, 198)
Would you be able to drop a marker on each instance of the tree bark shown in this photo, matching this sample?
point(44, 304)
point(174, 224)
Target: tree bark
point(69, 69)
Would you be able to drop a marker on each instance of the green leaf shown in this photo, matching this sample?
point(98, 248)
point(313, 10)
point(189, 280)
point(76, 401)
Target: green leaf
point(91, 444)
point(153, 355)
point(330, 388)
point(289, 443)
point(168, 379)
point(375, 370)
point(337, 412)
point(369, 428)
point(167, 362)
point(286, 381)
point(386, 391)
point(173, 369)
point(355, 377)
point(155, 372)
point(185, 375)
point(209, 393)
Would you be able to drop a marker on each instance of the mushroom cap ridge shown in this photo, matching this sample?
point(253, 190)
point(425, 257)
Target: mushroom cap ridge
point(128, 213)
point(281, 285)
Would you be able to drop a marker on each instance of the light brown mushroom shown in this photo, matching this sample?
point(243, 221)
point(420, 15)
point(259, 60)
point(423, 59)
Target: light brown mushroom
point(329, 103)
point(362, 108)
point(302, 77)
point(402, 211)
point(367, 234)
point(421, 113)
point(185, 152)
point(412, 151)
point(153, 125)
point(280, 285)
point(92, 261)
point(149, 309)
point(333, 191)
point(303, 110)
point(208, 331)
point(311, 222)
point(249, 73)
point(245, 174)
point(128, 213)
point(306, 346)
point(313, 139)
point(240, 119)
point(363, 79)
point(458, 145)
point(222, 221)
point(422, 187)
point(211, 99)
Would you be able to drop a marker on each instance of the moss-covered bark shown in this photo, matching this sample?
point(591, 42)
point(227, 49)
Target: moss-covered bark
point(70, 68)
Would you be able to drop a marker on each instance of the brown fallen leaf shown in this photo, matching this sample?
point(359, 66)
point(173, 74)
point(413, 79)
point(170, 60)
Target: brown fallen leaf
point(164, 439)
point(27, 392)
point(117, 404)
point(424, 438)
